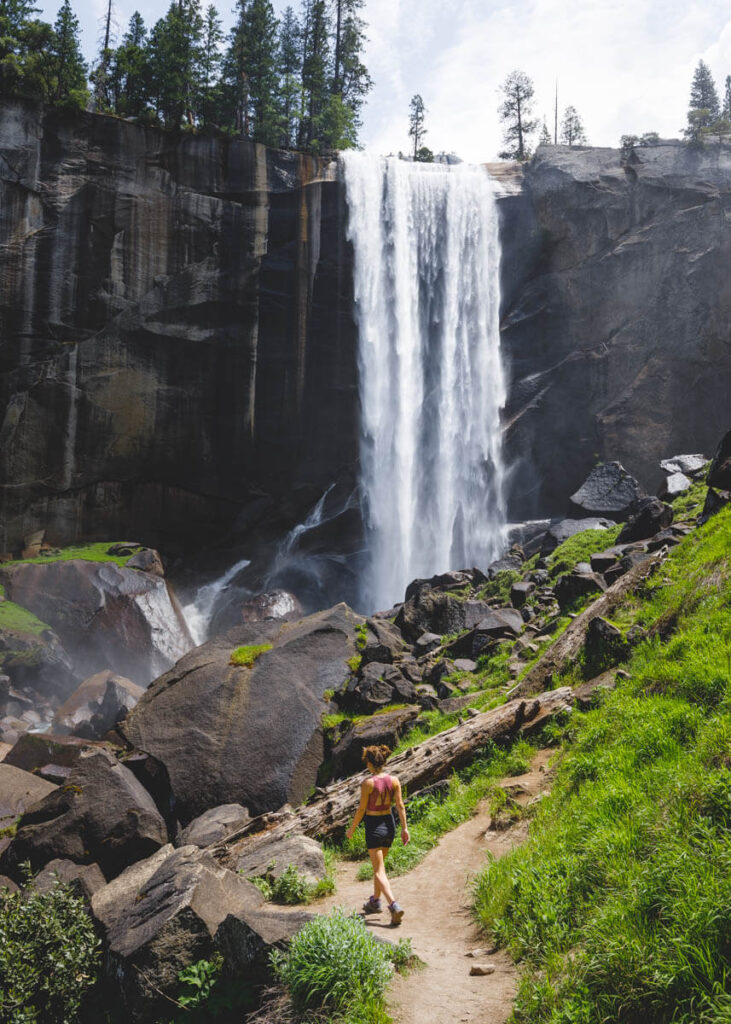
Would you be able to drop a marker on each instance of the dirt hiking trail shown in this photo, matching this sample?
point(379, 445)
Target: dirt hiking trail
point(435, 896)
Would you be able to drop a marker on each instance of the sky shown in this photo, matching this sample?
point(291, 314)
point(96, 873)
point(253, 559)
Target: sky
point(626, 65)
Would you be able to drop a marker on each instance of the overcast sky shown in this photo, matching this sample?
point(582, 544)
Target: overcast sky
point(626, 65)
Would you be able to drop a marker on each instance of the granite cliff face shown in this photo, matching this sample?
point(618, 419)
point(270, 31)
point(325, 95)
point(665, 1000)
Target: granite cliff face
point(617, 314)
point(177, 347)
point(178, 356)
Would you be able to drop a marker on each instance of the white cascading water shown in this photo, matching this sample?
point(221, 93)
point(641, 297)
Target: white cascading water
point(427, 295)
point(199, 612)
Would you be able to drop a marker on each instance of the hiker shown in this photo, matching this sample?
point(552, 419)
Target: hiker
point(378, 795)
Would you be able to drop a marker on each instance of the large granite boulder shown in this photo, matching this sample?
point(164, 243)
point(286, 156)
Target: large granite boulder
point(97, 706)
point(214, 825)
point(673, 486)
point(269, 857)
point(105, 615)
point(34, 659)
point(609, 490)
point(169, 911)
point(386, 728)
point(719, 473)
point(689, 465)
point(647, 517)
point(19, 790)
point(560, 531)
point(101, 815)
point(246, 734)
point(374, 687)
point(434, 611)
point(274, 604)
point(574, 585)
point(383, 642)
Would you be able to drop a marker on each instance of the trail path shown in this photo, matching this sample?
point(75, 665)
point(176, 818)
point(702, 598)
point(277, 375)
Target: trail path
point(435, 896)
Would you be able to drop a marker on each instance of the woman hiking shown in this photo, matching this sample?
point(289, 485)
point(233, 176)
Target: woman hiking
point(378, 794)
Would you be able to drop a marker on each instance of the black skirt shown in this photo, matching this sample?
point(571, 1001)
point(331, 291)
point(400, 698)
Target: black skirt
point(380, 830)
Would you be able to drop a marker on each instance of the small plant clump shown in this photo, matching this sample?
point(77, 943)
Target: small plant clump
point(334, 963)
point(292, 887)
point(247, 655)
point(49, 955)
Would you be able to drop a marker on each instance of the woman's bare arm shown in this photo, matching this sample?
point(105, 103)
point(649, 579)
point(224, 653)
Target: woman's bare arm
point(365, 790)
point(399, 801)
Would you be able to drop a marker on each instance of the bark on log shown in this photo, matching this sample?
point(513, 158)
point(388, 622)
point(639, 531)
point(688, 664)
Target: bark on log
point(434, 759)
point(564, 650)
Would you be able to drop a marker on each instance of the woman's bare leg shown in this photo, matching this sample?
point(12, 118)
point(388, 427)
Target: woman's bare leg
point(380, 881)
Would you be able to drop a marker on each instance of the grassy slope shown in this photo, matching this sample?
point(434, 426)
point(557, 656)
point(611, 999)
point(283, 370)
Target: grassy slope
point(620, 904)
point(87, 553)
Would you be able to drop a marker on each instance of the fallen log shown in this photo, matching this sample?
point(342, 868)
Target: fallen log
point(565, 649)
point(434, 759)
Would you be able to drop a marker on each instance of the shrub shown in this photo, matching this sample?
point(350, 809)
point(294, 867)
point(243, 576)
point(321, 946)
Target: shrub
point(49, 955)
point(334, 962)
point(247, 655)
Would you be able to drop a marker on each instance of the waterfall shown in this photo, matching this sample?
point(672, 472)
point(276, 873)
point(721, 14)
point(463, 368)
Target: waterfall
point(199, 612)
point(426, 286)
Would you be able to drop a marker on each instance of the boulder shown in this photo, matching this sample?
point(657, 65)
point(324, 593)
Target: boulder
point(563, 529)
point(105, 615)
point(274, 604)
point(512, 562)
point(34, 660)
point(441, 668)
point(574, 585)
point(18, 791)
point(86, 879)
point(604, 645)
point(673, 486)
point(626, 562)
point(520, 592)
point(715, 501)
point(171, 910)
point(500, 623)
point(147, 560)
point(246, 734)
point(431, 611)
point(646, 518)
point(269, 858)
point(427, 643)
point(465, 665)
point(690, 465)
point(609, 490)
point(102, 815)
point(385, 728)
point(214, 825)
point(453, 580)
point(376, 686)
point(719, 473)
point(383, 642)
point(601, 560)
point(34, 750)
point(97, 706)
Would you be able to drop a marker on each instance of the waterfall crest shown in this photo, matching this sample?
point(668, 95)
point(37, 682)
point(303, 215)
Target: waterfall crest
point(427, 295)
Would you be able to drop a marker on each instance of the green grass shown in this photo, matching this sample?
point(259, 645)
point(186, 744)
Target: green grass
point(17, 619)
point(86, 553)
point(354, 662)
point(247, 655)
point(499, 586)
point(691, 503)
point(292, 887)
point(620, 903)
point(580, 548)
point(429, 818)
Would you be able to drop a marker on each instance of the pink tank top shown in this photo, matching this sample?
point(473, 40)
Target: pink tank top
point(380, 797)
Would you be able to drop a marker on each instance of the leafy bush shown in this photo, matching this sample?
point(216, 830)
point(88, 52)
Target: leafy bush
point(247, 655)
point(292, 886)
point(49, 955)
point(335, 962)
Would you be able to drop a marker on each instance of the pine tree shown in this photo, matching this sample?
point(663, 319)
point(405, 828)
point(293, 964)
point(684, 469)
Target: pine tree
point(546, 138)
point(130, 72)
point(101, 73)
point(315, 74)
point(727, 99)
point(290, 72)
point(515, 111)
point(69, 65)
point(210, 63)
point(174, 54)
point(251, 73)
point(572, 130)
point(704, 105)
point(351, 80)
point(15, 19)
point(417, 114)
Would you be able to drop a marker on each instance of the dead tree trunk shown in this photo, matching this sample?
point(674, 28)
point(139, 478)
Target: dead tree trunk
point(563, 651)
point(430, 761)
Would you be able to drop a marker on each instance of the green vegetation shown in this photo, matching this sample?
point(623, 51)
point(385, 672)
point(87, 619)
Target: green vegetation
point(691, 503)
point(207, 995)
point(354, 662)
point(431, 817)
point(620, 903)
point(580, 548)
point(334, 963)
point(361, 636)
point(499, 586)
point(49, 955)
point(17, 619)
point(248, 654)
point(98, 552)
point(292, 887)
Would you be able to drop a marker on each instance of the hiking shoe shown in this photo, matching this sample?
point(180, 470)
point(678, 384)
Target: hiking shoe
point(397, 913)
point(372, 906)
